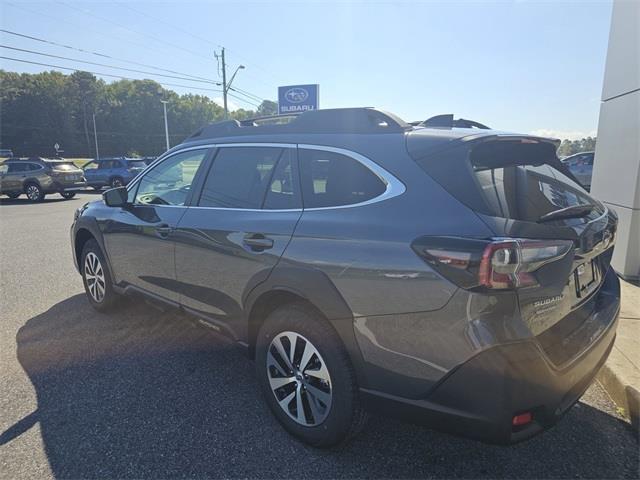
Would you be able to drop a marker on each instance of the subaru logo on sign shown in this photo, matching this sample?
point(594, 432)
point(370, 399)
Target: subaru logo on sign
point(296, 95)
point(297, 98)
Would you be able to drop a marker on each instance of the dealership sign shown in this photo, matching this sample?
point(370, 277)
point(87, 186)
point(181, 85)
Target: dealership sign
point(297, 98)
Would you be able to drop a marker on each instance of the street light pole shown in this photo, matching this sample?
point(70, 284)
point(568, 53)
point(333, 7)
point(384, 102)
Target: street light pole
point(166, 124)
point(95, 137)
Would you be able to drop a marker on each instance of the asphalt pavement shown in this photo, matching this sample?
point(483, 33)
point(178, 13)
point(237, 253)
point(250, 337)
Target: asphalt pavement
point(147, 394)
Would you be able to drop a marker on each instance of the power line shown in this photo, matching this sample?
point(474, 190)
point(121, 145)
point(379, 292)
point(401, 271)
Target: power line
point(50, 42)
point(198, 37)
point(105, 65)
point(157, 39)
point(109, 75)
point(247, 94)
point(95, 31)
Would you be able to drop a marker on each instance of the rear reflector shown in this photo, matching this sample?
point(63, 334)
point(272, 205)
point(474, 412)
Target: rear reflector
point(522, 419)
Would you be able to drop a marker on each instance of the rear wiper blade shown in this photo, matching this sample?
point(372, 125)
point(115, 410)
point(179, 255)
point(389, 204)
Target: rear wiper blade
point(574, 211)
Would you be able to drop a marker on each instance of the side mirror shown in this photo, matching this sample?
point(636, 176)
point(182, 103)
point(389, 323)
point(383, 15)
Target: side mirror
point(116, 197)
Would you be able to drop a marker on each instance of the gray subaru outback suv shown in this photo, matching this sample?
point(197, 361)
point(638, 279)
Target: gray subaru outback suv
point(37, 177)
point(444, 274)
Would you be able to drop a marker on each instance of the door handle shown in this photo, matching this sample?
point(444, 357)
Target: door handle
point(257, 242)
point(164, 230)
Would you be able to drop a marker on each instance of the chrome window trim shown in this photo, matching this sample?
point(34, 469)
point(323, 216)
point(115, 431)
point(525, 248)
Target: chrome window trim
point(394, 186)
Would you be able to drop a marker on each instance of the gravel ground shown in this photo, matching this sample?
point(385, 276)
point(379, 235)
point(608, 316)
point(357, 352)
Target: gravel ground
point(146, 394)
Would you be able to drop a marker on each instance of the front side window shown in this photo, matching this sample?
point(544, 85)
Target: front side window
point(105, 164)
point(169, 183)
point(240, 176)
point(331, 179)
point(17, 167)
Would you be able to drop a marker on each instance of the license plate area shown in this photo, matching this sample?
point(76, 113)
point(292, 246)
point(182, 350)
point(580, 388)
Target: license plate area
point(587, 278)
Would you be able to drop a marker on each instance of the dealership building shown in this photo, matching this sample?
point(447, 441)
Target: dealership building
point(616, 169)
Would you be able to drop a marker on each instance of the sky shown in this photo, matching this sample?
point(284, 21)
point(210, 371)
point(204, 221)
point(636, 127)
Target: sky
point(525, 66)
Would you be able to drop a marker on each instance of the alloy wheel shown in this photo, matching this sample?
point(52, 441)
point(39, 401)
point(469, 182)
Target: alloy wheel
point(116, 182)
point(33, 192)
point(299, 378)
point(94, 276)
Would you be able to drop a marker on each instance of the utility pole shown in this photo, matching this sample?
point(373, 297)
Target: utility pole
point(220, 58)
point(166, 124)
point(226, 86)
point(95, 137)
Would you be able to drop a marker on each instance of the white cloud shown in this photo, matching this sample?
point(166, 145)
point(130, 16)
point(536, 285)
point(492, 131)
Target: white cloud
point(564, 134)
point(230, 104)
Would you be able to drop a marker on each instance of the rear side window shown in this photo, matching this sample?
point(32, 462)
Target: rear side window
point(283, 191)
point(331, 179)
point(240, 176)
point(509, 179)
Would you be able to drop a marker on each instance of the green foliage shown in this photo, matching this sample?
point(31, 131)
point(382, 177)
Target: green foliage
point(39, 110)
point(569, 147)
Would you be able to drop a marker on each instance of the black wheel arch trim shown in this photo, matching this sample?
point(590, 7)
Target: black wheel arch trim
point(315, 287)
point(91, 225)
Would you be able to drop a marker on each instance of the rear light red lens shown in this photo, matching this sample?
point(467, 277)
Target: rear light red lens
point(522, 419)
point(491, 264)
point(510, 263)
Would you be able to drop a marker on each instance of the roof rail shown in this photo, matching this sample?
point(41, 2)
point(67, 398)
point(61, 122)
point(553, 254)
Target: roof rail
point(447, 121)
point(335, 120)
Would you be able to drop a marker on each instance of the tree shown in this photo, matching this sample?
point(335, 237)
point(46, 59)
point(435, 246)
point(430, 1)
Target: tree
point(267, 107)
point(570, 147)
point(39, 110)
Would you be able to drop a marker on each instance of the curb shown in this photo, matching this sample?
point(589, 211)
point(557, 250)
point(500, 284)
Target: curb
point(624, 396)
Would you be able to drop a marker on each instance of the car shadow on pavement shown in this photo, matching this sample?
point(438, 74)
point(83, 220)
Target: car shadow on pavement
point(147, 394)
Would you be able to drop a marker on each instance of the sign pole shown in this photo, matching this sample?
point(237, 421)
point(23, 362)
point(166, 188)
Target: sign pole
point(95, 136)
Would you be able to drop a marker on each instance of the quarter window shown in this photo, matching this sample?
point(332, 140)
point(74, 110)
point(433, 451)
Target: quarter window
point(169, 183)
point(239, 177)
point(332, 179)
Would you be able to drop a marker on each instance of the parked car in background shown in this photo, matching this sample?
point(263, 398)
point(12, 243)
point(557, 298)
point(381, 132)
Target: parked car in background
point(581, 166)
point(453, 276)
point(148, 160)
point(36, 177)
point(6, 153)
point(112, 172)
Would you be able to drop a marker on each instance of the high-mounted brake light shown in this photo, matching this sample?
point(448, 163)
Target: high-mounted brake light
point(492, 264)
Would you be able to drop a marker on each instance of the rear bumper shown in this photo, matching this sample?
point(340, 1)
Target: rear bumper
point(68, 187)
point(480, 397)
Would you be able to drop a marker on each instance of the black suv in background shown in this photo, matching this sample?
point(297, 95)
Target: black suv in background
point(454, 276)
point(36, 177)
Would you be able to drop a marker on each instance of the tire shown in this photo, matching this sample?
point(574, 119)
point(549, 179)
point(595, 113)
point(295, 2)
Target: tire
point(34, 192)
point(332, 413)
point(13, 195)
point(116, 182)
point(100, 292)
point(68, 195)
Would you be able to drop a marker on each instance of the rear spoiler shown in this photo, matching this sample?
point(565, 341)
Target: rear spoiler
point(447, 121)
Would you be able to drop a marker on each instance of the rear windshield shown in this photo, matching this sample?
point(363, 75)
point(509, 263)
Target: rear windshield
point(509, 179)
point(136, 164)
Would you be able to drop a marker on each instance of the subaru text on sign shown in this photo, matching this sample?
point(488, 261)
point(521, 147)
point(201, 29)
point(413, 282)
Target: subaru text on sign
point(298, 98)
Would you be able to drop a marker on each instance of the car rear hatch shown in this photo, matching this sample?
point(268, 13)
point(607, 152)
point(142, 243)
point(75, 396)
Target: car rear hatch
point(66, 172)
point(553, 241)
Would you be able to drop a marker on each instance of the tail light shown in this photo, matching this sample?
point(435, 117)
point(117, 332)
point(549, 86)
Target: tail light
point(492, 264)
